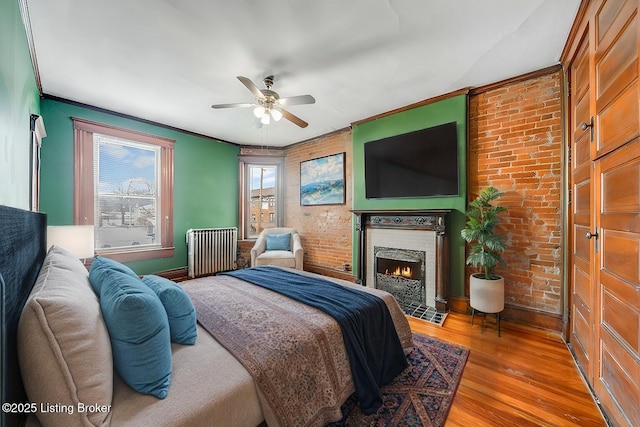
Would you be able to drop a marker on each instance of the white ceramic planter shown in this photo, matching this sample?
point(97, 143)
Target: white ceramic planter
point(486, 296)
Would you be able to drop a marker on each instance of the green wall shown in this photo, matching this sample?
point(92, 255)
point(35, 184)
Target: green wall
point(445, 111)
point(205, 176)
point(19, 98)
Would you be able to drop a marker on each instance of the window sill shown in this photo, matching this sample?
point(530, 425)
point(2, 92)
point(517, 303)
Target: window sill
point(137, 255)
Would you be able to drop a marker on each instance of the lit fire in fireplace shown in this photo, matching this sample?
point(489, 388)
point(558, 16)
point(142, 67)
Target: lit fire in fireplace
point(404, 272)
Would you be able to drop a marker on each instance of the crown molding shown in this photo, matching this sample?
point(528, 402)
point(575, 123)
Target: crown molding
point(26, 21)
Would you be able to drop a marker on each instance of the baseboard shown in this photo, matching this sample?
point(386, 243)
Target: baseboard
point(522, 315)
point(177, 274)
point(535, 318)
point(459, 304)
point(585, 378)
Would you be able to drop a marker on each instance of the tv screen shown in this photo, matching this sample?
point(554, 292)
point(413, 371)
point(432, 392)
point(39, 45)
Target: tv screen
point(423, 163)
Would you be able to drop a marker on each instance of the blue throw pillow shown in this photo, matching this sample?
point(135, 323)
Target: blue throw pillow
point(179, 308)
point(279, 242)
point(100, 265)
point(139, 332)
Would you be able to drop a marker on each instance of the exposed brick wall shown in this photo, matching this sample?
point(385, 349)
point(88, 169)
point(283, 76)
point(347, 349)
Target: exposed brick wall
point(515, 145)
point(325, 230)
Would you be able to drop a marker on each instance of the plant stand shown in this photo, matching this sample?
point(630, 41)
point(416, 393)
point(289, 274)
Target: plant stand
point(484, 316)
point(487, 297)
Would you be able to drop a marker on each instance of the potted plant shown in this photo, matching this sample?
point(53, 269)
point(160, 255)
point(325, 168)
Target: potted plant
point(486, 246)
point(486, 289)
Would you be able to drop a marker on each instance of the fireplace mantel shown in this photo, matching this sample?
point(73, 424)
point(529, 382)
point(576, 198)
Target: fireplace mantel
point(432, 220)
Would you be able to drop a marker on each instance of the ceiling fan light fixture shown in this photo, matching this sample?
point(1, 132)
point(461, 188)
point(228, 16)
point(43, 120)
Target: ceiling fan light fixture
point(259, 111)
point(276, 114)
point(269, 105)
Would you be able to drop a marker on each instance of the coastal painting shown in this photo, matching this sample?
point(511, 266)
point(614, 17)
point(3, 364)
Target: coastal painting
point(322, 181)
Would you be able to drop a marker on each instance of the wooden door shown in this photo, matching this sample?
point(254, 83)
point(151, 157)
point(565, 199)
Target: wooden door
point(605, 212)
point(582, 293)
point(617, 379)
point(616, 155)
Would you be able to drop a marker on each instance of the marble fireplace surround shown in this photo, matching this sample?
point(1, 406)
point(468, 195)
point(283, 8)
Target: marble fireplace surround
point(431, 220)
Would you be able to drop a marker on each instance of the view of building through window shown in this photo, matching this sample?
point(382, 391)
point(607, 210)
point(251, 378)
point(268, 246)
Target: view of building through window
point(262, 203)
point(126, 185)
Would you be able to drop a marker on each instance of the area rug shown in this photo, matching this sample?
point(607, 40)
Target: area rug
point(422, 394)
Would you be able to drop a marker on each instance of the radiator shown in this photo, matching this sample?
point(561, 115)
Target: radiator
point(211, 250)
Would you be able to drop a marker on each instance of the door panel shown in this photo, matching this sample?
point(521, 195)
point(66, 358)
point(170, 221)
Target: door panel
point(617, 381)
point(617, 123)
point(607, 26)
point(582, 285)
point(616, 74)
point(620, 318)
point(617, 65)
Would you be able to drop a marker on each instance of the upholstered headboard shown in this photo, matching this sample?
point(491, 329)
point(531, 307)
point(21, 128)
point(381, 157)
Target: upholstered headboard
point(22, 250)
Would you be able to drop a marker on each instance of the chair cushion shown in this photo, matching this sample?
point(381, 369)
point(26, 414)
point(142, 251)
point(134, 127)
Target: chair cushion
point(63, 343)
point(139, 331)
point(279, 258)
point(279, 242)
point(100, 266)
point(180, 310)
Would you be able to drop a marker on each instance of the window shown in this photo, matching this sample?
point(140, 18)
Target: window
point(261, 200)
point(124, 187)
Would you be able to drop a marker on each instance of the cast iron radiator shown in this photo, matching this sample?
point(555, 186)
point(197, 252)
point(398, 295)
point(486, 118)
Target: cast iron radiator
point(211, 250)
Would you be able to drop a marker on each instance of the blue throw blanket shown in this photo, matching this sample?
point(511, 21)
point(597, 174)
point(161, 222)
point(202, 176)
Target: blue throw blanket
point(372, 344)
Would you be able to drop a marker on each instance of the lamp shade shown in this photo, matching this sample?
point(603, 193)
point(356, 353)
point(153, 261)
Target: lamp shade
point(77, 239)
point(259, 111)
point(276, 114)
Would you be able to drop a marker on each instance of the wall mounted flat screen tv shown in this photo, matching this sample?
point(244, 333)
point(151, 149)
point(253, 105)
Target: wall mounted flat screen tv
point(423, 163)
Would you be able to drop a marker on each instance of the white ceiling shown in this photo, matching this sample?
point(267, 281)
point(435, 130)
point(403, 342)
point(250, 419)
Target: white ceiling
point(168, 60)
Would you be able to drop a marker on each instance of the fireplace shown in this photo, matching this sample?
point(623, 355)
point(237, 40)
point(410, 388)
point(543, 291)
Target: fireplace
point(404, 253)
point(401, 273)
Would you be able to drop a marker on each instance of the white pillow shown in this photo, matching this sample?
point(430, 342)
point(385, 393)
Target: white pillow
point(63, 345)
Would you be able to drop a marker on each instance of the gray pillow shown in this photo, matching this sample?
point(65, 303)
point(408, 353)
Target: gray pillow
point(63, 343)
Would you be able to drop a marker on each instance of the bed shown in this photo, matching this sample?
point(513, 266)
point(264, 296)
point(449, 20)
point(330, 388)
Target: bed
point(49, 303)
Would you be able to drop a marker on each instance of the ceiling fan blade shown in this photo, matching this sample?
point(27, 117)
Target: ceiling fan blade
point(293, 118)
point(232, 105)
point(297, 100)
point(251, 86)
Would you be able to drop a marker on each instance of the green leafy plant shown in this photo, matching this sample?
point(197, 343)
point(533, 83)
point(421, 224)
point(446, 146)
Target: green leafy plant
point(482, 219)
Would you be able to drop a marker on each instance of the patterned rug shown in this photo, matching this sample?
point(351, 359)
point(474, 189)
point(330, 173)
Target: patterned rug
point(422, 394)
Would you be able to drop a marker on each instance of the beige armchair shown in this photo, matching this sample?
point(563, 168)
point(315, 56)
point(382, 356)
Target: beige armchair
point(274, 248)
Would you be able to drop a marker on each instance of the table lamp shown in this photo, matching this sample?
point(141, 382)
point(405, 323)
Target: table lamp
point(77, 239)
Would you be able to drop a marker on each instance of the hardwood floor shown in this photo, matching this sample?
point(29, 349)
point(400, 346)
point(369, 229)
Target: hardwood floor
point(526, 377)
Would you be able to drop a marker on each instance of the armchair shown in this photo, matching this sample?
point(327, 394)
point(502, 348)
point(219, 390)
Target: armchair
point(273, 247)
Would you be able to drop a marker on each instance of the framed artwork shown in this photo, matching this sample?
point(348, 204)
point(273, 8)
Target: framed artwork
point(322, 181)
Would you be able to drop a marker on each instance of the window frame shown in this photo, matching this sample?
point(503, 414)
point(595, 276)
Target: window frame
point(83, 193)
point(244, 216)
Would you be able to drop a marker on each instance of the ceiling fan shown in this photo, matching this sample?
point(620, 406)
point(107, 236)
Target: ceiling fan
point(268, 103)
